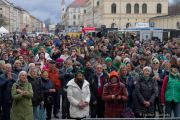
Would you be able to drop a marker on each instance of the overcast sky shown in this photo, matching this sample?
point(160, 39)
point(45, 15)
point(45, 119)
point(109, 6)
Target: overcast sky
point(43, 9)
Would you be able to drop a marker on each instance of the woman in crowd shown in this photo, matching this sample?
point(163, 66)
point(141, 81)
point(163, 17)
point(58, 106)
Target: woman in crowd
point(114, 95)
point(22, 94)
point(170, 93)
point(47, 90)
point(145, 94)
point(78, 94)
point(37, 99)
point(17, 67)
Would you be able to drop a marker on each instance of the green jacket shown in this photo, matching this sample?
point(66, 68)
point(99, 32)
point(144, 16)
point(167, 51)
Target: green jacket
point(22, 105)
point(172, 91)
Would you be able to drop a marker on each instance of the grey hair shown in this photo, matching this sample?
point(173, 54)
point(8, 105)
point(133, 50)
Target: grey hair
point(20, 73)
point(31, 69)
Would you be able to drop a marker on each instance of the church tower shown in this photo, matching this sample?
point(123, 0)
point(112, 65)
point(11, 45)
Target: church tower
point(63, 10)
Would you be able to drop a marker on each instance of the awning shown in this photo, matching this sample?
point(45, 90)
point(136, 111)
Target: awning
point(3, 30)
point(88, 29)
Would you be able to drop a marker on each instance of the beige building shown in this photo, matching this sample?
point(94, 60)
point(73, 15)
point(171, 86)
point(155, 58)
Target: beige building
point(166, 22)
point(16, 18)
point(74, 16)
point(123, 13)
point(7, 14)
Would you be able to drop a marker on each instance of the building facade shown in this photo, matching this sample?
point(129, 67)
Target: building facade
point(16, 19)
point(123, 13)
point(166, 22)
point(74, 15)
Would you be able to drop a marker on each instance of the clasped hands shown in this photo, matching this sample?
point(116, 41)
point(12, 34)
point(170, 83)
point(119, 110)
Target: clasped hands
point(23, 93)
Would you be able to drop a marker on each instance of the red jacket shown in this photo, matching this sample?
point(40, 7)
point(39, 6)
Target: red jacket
point(165, 81)
point(54, 77)
point(114, 107)
point(24, 52)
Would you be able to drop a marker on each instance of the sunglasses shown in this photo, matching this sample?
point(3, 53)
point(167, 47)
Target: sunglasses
point(156, 63)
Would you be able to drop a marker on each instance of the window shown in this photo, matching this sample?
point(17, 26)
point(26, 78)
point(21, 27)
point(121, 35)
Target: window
point(136, 8)
point(97, 3)
point(159, 8)
point(128, 25)
point(113, 25)
point(128, 8)
point(144, 8)
point(113, 8)
point(84, 11)
point(0, 8)
point(74, 23)
point(78, 16)
point(0, 15)
point(74, 16)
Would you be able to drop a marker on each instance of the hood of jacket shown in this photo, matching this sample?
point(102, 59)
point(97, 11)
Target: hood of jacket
point(74, 84)
point(113, 74)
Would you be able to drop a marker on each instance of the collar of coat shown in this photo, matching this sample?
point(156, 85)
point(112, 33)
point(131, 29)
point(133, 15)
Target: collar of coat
point(72, 83)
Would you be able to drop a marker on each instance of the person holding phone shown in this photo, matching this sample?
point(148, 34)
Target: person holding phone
point(114, 96)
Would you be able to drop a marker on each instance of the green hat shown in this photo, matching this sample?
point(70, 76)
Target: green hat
point(108, 59)
point(122, 65)
point(79, 71)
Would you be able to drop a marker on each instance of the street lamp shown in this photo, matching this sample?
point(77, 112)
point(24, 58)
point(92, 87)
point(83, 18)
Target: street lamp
point(93, 13)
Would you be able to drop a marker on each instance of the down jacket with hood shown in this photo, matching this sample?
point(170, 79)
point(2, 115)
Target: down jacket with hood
point(114, 107)
point(75, 95)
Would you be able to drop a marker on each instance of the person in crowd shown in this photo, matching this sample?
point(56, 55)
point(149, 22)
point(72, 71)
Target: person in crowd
point(37, 100)
point(170, 95)
point(47, 90)
point(97, 81)
point(67, 76)
point(129, 81)
point(24, 64)
point(142, 64)
point(42, 59)
point(2, 64)
point(46, 55)
point(17, 67)
point(65, 54)
point(76, 57)
point(114, 95)
point(5, 57)
point(108, 62)
point(24, 49)
point(7, 81)
point(158, 75)
point(117, 62)
point(145, 94)
point(55, 78)
point(178, 63)
point(22, 95)
point(88, 70)
point(78, 94)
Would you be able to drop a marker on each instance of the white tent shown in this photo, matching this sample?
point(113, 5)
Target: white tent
point(3, 30)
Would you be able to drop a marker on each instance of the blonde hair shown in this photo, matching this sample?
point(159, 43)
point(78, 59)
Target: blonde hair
point(17, 61)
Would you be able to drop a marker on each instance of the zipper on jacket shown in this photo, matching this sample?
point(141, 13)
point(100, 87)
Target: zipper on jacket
point(173, 89)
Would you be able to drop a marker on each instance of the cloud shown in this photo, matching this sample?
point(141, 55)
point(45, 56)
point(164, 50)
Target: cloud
point(42, 9)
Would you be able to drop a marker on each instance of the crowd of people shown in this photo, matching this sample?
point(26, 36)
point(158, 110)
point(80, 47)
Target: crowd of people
point(96, 77)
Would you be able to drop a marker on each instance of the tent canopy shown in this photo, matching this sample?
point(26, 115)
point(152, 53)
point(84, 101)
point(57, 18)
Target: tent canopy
point(3, 30)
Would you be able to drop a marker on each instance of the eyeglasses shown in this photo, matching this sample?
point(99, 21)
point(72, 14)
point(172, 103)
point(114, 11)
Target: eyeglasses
point(156, 63)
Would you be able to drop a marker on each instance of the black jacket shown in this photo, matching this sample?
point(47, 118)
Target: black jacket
point(145, 90)
point(94, 86)
point(37, 90)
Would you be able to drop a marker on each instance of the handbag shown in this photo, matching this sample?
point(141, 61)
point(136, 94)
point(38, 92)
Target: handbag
point(127, 113)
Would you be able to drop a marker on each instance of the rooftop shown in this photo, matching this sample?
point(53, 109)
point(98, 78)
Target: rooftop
point(177, 15)
point(78, 3)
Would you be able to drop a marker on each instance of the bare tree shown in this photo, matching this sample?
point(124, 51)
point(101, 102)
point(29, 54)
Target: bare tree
point(174, 8)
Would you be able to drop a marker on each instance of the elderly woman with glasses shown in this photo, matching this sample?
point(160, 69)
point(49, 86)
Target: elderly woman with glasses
point(22, 94)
